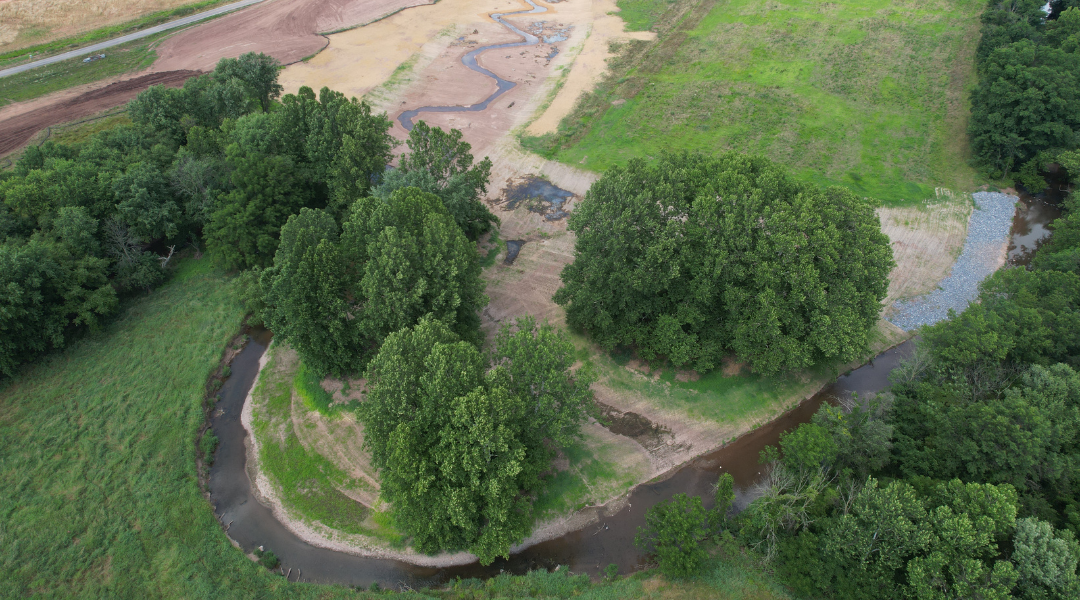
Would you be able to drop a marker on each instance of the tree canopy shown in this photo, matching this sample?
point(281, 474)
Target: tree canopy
point(1025, 111)
point(219, 161)
point(692, 257)
point(336, 293)
point(441, 164)
point(461, 440)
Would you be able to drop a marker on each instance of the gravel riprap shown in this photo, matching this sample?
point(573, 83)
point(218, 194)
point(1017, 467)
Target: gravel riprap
point(988, 231)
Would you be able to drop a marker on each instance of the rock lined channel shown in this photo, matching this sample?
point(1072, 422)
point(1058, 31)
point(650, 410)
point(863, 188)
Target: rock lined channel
point(983, 253)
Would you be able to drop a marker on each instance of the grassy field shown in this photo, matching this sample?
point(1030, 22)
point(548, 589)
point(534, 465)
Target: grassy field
point(125, 58)
point(869, 94)
point(98, 491)
point(32, 24)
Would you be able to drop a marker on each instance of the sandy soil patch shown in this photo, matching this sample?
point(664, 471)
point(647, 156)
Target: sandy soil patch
point(589, 65)
point(28, 22)
point(926, 240)
point(288, 30)
point(413, 59)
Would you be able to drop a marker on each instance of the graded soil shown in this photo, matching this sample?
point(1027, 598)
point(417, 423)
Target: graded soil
point(288, 30)
point(19, 122)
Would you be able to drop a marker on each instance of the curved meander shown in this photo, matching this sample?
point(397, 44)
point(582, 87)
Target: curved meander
point(608, 540)
point(469, 60)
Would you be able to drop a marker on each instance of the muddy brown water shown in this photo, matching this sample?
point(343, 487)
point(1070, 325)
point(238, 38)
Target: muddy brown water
point(1034, 214)
point(589, 550)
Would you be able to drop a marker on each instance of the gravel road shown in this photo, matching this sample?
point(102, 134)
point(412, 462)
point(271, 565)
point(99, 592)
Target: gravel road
point(987, 237)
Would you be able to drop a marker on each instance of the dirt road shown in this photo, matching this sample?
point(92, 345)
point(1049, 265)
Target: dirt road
point(27, 118)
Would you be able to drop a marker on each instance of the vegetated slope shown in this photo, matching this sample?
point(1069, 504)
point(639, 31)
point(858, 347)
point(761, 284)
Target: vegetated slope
point(863, 93)
point(98, 473)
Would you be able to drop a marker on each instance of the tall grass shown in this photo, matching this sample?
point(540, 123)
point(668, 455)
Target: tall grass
point(98, 489)
point(867, 94)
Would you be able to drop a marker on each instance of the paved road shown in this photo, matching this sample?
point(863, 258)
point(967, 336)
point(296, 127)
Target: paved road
point(130, 37)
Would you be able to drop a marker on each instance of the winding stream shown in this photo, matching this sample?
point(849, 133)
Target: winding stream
point(469, 60)
point(588, 550)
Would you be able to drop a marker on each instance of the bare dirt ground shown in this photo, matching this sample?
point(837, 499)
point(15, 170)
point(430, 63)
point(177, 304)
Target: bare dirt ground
point(926, 240)
point(285, 29)
point(19, 122)
point(288, 30)
point(28, 22)
point(589, 66)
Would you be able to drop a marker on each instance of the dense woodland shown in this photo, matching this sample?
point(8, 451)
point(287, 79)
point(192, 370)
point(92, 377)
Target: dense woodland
point(1025, 111)
point(961, 482)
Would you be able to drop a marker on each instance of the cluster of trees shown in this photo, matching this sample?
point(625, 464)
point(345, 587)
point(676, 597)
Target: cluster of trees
point(461, 439)
point(961, 482)
point(348, 261)
point(692, 257)
point(82, 225)
point(1025, 111)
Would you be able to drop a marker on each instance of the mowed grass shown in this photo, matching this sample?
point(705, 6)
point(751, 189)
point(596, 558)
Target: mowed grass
point(98, 488)
point(868, 94)
point(125, 58)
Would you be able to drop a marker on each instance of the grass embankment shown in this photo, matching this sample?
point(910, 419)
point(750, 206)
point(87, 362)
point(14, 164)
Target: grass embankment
point(125, 58)
point(869, 94)
point(22, 53)
point(720, 403)
point(311, 485)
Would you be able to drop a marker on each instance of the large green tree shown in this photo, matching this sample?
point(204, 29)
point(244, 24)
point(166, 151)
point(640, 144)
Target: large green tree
point(1028, 98)
point(456, 443)
point(441, 163)
point(694, 256)
point(337, 295)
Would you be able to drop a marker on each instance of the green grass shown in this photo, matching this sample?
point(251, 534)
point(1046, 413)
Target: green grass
point(488, 258)
point(125, 58)
point(98, 490)
point(15, 57)
point(309, 386)
point(868, 94)
point(727, 575)
point(642, 15)
point(309, 484)
point(573, 489)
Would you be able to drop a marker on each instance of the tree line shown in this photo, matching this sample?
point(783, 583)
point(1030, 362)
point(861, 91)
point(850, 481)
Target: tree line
point(959, 482)
point(1025, 110)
